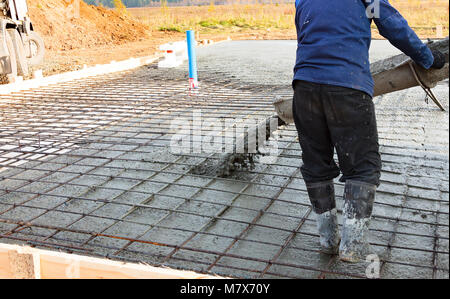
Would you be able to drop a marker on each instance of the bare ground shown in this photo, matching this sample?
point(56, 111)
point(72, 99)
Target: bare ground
point(98, 35)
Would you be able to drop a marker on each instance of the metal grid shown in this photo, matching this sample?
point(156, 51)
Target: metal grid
point(86, 167)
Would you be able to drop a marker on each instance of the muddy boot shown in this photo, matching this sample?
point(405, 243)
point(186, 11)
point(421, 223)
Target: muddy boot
point(323, 203)
point(358, 204)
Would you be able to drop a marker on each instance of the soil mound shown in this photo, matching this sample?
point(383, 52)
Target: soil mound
point(68, 25)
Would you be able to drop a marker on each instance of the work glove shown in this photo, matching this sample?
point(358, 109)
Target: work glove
point(439, 59)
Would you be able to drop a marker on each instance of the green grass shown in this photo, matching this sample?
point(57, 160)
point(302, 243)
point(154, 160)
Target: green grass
point(243, 18)
point(171, 28)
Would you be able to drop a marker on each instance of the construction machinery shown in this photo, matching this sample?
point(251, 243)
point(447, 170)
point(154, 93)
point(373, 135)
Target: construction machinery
point(20, 46)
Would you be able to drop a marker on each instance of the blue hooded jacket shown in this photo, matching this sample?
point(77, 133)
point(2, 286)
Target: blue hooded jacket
point(334, 38)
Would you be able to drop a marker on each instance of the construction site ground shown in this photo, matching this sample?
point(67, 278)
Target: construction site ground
point(87, 167)
point(76, 34)
point(97, 35)
point(58, 61)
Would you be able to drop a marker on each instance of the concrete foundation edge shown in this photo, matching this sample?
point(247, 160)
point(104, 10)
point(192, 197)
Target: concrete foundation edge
point(31, 263)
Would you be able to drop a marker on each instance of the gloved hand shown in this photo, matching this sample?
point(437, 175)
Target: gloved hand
point(439, 59)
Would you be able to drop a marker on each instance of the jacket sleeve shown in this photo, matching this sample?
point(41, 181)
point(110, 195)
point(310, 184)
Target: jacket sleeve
point(395, 28)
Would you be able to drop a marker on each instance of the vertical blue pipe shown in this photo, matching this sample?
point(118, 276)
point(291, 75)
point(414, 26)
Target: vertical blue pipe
point(193, 76)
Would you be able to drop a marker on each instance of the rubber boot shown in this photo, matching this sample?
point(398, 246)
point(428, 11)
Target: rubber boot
point(358, 204)
point(323, 203)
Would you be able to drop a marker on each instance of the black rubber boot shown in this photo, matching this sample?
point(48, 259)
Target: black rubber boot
point(358, 204)
point(323, 203)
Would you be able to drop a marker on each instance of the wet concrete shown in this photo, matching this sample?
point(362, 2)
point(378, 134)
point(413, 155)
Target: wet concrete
point(117, 190)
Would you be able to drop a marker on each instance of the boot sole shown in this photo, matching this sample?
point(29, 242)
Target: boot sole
point(329, 251)
point(349, 258)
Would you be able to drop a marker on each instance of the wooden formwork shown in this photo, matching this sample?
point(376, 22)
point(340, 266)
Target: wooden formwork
point(26, 262)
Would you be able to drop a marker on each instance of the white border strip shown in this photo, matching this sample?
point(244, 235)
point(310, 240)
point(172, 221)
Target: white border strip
point(86, 72)
point(18, 261)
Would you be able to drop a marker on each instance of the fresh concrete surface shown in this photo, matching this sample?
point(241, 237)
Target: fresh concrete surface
point(107, 184)
point(265, 62)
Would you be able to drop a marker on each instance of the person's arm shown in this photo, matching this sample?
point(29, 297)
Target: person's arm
point(395, 28)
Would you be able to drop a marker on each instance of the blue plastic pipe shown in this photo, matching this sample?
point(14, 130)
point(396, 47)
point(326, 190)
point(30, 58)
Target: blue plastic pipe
point(193, 76)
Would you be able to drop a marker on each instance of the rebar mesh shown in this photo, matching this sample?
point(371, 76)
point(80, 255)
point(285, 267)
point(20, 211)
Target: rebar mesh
point(86, 167)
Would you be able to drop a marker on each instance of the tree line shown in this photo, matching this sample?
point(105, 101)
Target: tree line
point(127, 3)
point(143, 3)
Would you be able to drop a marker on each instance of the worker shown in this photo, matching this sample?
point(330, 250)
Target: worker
point(333, 109)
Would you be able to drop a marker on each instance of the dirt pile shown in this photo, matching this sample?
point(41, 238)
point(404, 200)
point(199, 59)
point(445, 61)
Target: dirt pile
point(67, 25)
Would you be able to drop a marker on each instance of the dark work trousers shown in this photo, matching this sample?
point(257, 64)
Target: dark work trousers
point(331, 117)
